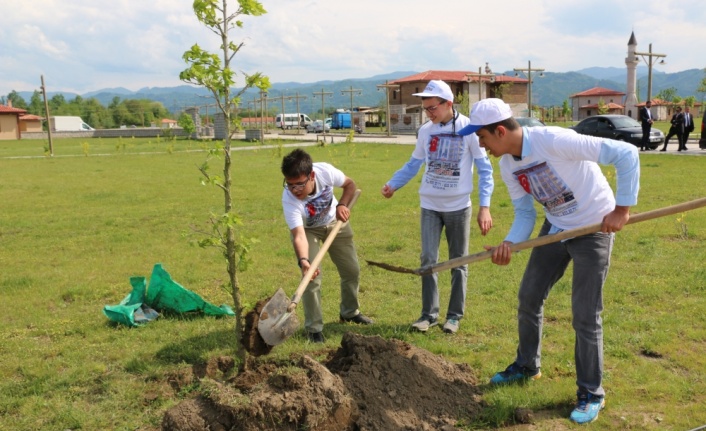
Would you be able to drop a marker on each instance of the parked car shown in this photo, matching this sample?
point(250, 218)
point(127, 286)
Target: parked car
point(318, 127)
point(529, 122)
point(618, 127)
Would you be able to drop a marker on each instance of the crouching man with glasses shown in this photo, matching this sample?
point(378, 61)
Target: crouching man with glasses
point(311, 211)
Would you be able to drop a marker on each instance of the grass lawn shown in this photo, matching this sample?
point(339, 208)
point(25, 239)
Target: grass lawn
point(73, 230)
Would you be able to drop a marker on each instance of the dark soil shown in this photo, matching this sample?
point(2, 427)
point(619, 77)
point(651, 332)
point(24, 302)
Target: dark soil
point(252, 340)
point(368, 384)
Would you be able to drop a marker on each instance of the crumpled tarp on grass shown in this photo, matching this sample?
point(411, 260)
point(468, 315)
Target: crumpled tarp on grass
point(163, 295)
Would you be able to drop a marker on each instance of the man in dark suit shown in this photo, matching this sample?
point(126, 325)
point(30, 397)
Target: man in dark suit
point(646, 120)
point(688, 126)
point(677, 128)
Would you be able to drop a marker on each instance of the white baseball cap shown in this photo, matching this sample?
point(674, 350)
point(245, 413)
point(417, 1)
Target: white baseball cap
point(485, 112)
point(437, 88)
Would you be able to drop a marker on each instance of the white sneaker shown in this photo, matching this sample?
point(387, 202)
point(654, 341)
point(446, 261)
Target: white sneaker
point(423, 324)
point(451, 326)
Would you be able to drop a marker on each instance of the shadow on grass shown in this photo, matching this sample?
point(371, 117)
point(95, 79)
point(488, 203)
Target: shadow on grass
point(501, 413)
point(197, 349)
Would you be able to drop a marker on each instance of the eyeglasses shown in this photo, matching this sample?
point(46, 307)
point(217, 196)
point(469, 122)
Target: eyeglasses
point(431, 109)
point(296, 186)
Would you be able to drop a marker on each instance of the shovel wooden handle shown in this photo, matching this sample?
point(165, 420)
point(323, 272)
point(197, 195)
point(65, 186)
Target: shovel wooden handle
point(319, 257)
point(560, 236)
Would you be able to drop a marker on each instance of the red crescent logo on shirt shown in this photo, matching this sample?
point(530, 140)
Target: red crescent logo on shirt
point(524, 182)
point(434, 144)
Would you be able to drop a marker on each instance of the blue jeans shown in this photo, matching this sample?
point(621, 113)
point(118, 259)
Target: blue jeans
point(458, 229)
point(591, 257)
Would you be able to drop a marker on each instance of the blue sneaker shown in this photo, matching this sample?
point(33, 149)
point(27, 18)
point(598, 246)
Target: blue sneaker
point(587, 408)
point(515, 373)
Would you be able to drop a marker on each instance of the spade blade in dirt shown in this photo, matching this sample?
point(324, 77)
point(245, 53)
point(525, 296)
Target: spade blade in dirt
point(276, 324)
point(277, 319)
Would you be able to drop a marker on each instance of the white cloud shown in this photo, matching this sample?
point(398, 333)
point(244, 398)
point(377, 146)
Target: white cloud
point(31, 37)
point(84, 45)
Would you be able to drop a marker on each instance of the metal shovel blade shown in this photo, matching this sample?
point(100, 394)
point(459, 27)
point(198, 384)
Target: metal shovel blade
point(276, 324)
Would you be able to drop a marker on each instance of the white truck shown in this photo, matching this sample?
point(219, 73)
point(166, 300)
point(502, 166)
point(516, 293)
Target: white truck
point(68, 124)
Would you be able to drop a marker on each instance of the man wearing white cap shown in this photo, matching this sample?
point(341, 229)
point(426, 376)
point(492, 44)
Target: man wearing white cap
point(559, 168)
point(444, 194)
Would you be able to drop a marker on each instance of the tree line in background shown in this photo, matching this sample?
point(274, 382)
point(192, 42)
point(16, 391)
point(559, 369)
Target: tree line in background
point(127, 112)
point(120, 112)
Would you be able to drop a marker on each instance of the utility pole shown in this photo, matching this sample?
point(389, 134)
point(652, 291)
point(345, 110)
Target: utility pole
point(46, 111)
point(283, 98)
point(352, 91)
point(648, 57)
point(323, 94)
point(388, 87)
point(480, 77)
point(297, 97)
point(263, 102)
point(251, 112)
point(528, 72)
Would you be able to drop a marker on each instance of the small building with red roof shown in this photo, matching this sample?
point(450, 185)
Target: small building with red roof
point(168, 123)
point(10, 121)
point(460, 81)
point(586, 103)
point(406, 113)
point(30, 123)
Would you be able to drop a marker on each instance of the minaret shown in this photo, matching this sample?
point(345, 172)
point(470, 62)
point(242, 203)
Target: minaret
point(631, 61)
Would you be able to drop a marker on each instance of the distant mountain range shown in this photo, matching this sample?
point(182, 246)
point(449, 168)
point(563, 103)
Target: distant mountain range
point(551, 90)
point(554, 88)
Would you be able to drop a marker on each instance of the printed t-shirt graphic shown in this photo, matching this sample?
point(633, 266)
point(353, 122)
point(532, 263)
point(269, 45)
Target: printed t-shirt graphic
point(542, 182)
point(317, 209)
point(444, 161)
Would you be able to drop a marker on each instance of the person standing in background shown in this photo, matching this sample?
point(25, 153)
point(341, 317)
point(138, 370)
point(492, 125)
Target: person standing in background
point(444, 196)
point(688, 126)
point(677, 128)
point(646, 120)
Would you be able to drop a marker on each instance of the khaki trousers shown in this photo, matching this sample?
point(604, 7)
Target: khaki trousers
point(343, 255)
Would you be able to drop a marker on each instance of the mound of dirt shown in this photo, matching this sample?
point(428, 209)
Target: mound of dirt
point(368, 384)
point(302, 396)
point(401, 387)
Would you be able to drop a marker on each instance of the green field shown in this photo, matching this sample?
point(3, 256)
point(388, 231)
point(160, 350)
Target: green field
point(73, 230)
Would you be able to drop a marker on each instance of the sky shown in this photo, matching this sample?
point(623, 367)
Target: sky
point(81, 46)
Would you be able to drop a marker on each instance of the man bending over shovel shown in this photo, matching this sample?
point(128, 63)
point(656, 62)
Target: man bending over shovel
point(311, 210)
point(560, 169)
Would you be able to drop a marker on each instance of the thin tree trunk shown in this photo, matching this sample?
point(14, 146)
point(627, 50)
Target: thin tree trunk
point(240, 352)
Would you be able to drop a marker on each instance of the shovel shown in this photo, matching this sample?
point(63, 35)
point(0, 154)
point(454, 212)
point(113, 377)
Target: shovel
point(277, 319)
point(540, 241)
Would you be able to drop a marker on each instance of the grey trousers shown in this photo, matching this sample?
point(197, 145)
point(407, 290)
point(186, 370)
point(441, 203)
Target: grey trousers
point(591, 257)
point(343, 254)
point(458, 229)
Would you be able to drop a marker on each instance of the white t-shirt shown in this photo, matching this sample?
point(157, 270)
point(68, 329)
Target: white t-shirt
point(448, 165)
point(318, 209)
point(561, 172)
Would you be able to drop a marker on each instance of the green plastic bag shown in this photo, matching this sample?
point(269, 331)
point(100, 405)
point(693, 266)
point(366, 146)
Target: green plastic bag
point(132, 310)
point(163, 294)
point(166, 295)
